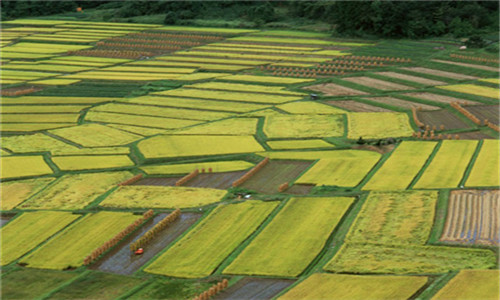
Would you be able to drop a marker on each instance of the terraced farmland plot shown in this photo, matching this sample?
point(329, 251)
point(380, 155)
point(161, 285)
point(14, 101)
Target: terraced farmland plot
point(471, 284)
point(273, 174)
point(473, 218)
point(75, 191)
point(137, 196)
point(401, 103)
point(145, 121)
point(304, 126)
point(23, 166)
point(477, 90)
point(485, 171)
point(402, 166)
point(331, 89)
point(228, 96)
point(351, 105)
point(323, 286)
point(95, 135)
point(410, 78)
point(199, 252)
point(378, 125)
point(304, 224)
point(234, 126)
point(70, 247)
point(265, 79)
point(86, 162)
point(29, 230)
point(216, 167)
point(377, 84)
point(15, 192)
point(448, 165)
point(314, 155)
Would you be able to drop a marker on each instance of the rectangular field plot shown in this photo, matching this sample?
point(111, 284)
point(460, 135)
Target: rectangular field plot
point(442, 117)
point(401, 103)
point(39, 118)
point(215, 180)
point(55, 100)
point(145, 121)
point(234, 126)
point(356, 106)
point(304, 225)
point(94, 162)
point(331, 89)
point(121, 260)
point(482, 112)
point(402, 166)
point(28, 127)
point(229, 96)
point(472, 284)
point(265, 79)
point(95, 135)
point(377, 84)
point(42, 108)
point(197, 145)
point(75, 191)
point(410, 78)
point(485, 171)
point(15, 192)
point(440, 73)
point(137, 196)
point(254, 288)
point(199, 252)
point(473, 218)
point(216, 167)
point(23, 166)
point(238, 87)
point(477, 90)
point(448, 165)
point(299, 144)
point(378, 125)
point(304, 126)
point(474, 66)
point(29, 230)
point(275, 173)
point(77, 241)
point(310, 107)
point(323, 286)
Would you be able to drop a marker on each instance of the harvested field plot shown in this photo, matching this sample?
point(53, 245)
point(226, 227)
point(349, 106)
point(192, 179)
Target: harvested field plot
point(416, 79)
point(448, 165)
point(4, 220)
point(438, 98)
point(137, 196)
point(254, 289)
point(347, 287)
point(356, 106)
point(472, 284)
point(15, 192)
point(70, 247)
point(377, 84)
point(477, 90)
point(442, 117)
point(304, 126)
point(304, 225)
point(401, 103)
point(215, 180)
point(473, 218)
point(474, 66)
point(485, 112)
point(444, 74)
point(86, 162)
point(75, 191)
point(215, 167)
point(199, 252)
point(158, 181)
point(197, 145)
point(275, 173)
point(475, 135)
point(485, 171)
point(378, 125)
point(23, 166)
point(121, 260)
point(331, 89)
point(29, 230)
point(402, 166)
point(300, 189)
point(95, 135)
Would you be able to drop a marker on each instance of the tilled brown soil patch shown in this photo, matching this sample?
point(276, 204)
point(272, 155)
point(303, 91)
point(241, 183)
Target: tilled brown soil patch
point(377, 83)
point(331, 89)
point(411, 78)
point(402, 103)
point(440, 73)
point(474, 66)
point(357, 106)
point(439, 98)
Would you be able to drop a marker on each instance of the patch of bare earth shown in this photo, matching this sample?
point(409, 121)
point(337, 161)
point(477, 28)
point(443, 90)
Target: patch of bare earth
point(402, 103)
point(357, 106)
point(439, 98)
point(439, 73)
point(331, 89)
point(380, 149)
point(473, 135)
point(411, 78)
point(483, 112)
point(378, 84)
point(442, 117)
point(254, 289)
point(474, 66)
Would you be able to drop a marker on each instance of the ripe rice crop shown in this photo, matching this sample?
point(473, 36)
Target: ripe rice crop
point(142, 131)
point(70, 247)
point(237, 87)
point(448, 165)
point(45, 47)
point(91, 162)
point(402, 166)
point(26, 127)
point(310, 107)
point(266, 79)
point(200, 65)
point(37, 142)
point(378, 125)
point(137, 196)
point(203, 248)
point(197, 145)
point(92, 151)
point(55, 81)
point(39, 118)
point(478, 90)
point(485, 169)
point(54, 100)
point(472, 284)
point(75, 191)
point(239, 49)
point(286, 40)
point(29, 230)
point(47, 67)
point(128, 68)
point(246, 56)
point(491, 80)
point(107, 60)
point(200, 76)
point(314, 155)
point(304, 225)
point(323, 286)
point(128, 76)
point(229, 96)
point(15, 192)
point(16, 55)
point(95, 135)
point(25, 75)
point(264, 47)
point(304, 126)
point(23, 166)
point(215, 167)
point(234, 126)
point(206, 30)
point(145, 121)
point(299, 144)
point(213, 60)
point(43, 108)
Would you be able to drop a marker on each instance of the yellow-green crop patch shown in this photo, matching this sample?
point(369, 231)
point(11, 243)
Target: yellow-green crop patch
point(213, 60)
point(323, 286)
point(214, 166)
point(55, 100)
point(145, 121)
point(202, 249)
point(91, 162)
point(206, 30)
point(39, 118)
point(304, 225)
point(142, 131)
point(472, 284)
point(70, 247)
point(123, 76)
point(314, 155)
point(238, 87)
point(296, 126)
point(491, 80)
point(95, 135)
point(43, 108)
point(23, 166)
point(26, 75)
point(299, 144)
point(402, 166)
point(37, 142)
point(234, 126)
point(200, 76)
point(92, 151)
point(16, 55)
point(478, 90)
point(93, 59)
point(55, 81)
point(167, 146)
point(376, 125)
point(135, 196)
point(266, 79)
point(310, 107)
point(448, 165)
point(75, 191)
point(485, 170)
point(45, 47)
point(46, 67)
point(245, 56)
point(15, 192)
point(251, 50)
point(234, 45)
point(200, 65)
point(29, 230)
point(28, 127)
point(129, 68)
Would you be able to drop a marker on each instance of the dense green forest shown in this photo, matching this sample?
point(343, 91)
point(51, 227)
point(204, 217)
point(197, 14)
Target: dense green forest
point(389, 19)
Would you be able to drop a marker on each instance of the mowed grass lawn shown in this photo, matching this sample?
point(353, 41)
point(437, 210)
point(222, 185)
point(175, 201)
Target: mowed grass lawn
point(293, 238)
point(29, 230)
point(472, 284)
point(70, 247)
point(348, 287)
point(202, 249)
point(485, 170)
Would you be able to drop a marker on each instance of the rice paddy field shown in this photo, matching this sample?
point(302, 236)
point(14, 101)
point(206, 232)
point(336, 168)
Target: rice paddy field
point(303, 166)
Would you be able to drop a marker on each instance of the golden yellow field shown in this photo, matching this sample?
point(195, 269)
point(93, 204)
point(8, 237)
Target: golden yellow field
point(23, 166)
point(472, 284)
point(95, 135)
point(15, 192)
point(297, 126)
point(485, 171)
point(369, 125)
point(478, 90)
point(92, 162)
